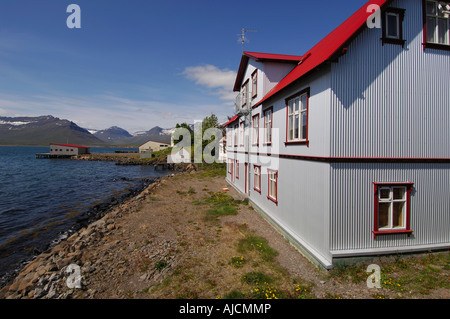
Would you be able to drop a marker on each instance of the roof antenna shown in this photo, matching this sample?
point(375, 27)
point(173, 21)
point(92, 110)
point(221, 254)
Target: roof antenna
point(242, 39)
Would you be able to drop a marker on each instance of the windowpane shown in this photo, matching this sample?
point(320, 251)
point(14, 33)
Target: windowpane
point(296, 126)
point(431, 8)
point(296, 101)
point(383, 215)
point(392, 26)
point(304, 102)
point(385, 193)
point(398, 214)
point(399, 193)
point(291, 107)
point(291, 128)
point(443, 31)
point(304, 124)
point(431, 29)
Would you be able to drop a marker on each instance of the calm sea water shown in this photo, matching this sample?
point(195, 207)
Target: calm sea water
point(43, 200)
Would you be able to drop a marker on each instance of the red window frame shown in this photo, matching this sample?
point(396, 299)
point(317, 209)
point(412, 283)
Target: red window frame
point(257, 131)
point(269, 171)
point(259, 178)
point(306, 91)
point(409, 187)
point(271, 125)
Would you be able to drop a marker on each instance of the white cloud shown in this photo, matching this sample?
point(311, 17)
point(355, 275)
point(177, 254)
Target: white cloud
point(219, 81)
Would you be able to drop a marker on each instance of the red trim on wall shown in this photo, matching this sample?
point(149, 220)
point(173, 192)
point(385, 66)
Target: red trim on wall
point(330, 159)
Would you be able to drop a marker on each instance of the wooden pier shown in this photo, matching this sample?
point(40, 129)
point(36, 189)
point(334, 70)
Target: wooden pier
point(48, 155)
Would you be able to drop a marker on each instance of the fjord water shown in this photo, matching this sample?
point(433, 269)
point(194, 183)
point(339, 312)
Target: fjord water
point(43, 200)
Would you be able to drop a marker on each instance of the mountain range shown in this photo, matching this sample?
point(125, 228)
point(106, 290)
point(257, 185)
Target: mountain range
point(43, 130)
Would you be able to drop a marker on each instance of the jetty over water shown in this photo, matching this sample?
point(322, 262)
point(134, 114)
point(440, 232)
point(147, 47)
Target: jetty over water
point(49, 155)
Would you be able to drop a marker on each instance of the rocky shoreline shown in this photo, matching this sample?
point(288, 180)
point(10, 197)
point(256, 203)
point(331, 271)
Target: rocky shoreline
point(48, 274)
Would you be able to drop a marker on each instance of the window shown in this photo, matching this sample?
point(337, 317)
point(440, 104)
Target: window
point(255, 135)
point(273, 185)
point(392, 208)
point(437, 24)
point(255, 84)
point(242, 132)
point(268, 126)
point(230, 166)
point(237, 169)
point(393, 26)
point(236, 135)
point(257, 178)
point(297, 117)
point(244, 92)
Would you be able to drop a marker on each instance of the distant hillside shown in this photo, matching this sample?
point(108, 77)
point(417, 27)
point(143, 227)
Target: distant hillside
point(43, 130)
point(112, 134)
point(118, 136)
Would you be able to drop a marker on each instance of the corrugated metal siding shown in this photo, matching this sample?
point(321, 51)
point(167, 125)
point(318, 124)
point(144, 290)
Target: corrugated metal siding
point(352, 204)
point(389, 101)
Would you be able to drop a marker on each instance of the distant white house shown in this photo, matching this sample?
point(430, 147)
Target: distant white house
point(223, 150)
point(183, 155)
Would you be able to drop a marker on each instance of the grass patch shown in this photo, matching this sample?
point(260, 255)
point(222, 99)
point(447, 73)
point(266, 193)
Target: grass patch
point(160, 265)
point(256, 277)
point(259, 244)
point(213, 170)
point(220, 203)
point(237, 261)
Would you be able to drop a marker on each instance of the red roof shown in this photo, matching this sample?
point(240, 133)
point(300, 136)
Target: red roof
point(258, 57)
point(234, 118)
point(331, 47)
point(69, 145)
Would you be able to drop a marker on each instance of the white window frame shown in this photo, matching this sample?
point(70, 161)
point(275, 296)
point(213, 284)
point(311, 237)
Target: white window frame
point(391, 201)
point(242, 132)
point(255, 126)
point(297, 114)
point(257, 178)
point(272, 193)
point(268, 115)
point(397, 16)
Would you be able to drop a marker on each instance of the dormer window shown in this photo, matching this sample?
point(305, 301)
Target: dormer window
point(437, 24)
point(393, 26)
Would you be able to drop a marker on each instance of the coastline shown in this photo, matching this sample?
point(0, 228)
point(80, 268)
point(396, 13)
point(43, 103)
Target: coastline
point(47, 268)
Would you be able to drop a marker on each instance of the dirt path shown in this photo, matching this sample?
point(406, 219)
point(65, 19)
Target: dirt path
point(166, 243)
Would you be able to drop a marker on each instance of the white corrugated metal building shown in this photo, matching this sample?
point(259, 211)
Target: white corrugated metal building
point(346, 148)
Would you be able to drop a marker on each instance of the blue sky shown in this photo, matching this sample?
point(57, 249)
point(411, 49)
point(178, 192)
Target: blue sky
point(144, 63)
